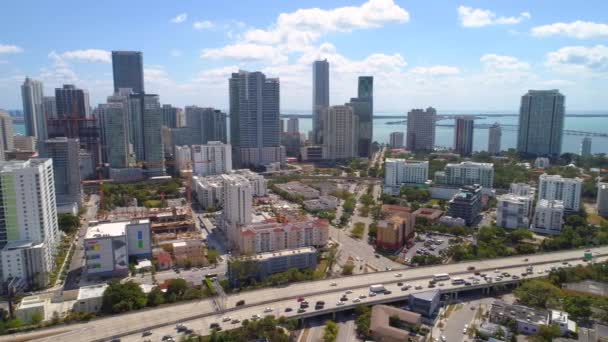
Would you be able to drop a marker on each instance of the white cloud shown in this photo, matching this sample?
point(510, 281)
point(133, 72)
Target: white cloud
point(436, 70)
point(500, 63)
point(180, 18)
point(576, 29)
point(246, 52)
point(590, 60)
point(6, 49)
point(203, 25)
point(90, 55)
point(477, 17)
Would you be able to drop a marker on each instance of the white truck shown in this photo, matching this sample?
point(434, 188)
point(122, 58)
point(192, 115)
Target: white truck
point(377, 288)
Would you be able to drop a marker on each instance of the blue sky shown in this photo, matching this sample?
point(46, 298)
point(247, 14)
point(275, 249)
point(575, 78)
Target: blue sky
point(453, 55)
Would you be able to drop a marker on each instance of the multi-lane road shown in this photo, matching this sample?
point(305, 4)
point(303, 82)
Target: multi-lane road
point(200, 314)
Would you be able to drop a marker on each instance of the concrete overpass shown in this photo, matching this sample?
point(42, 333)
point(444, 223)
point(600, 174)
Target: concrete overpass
point(198, 315)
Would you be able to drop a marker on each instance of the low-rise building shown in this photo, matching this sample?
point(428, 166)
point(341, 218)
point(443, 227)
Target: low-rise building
point(428, 214)
point(108, 246)
point(164, 261)
point(188, 250)
point(32, 307)
point(466, 173)
point(556, 187)
point(299, 189)
point(560, 318)
point(452, 221)
point(313, 153)
point(602, 199)
point(321, 203)
point(528, 320)
point(488, 329)
point(400, 172)
point(426, 303)
point(548, 217)
point(273, 236)
point(90, 298)
point(27, 261)
point(541, 163)
point(396, 140)
point(396, 228)
point(466, 204)
point(210, 190)
point(380, 323)
point(260, 266)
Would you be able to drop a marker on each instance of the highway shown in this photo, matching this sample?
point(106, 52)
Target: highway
point(199, 314)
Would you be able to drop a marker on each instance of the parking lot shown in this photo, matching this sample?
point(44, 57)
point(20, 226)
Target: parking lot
point(427, 244)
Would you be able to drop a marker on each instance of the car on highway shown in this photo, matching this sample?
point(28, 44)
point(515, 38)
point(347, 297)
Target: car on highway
point(240, 302)
point(362, 296)
point(235, 321)
point(333, 284)
point(398, 275)
point(372, 294)
point(226, 319)
point(288, 309)
point(255, 316)
point(356, 300)
point(400, 284)
point(418, 287)
point(514, 277)
point(343, 299)
point(301, 310)
point(214, 325)
point(348, 292)
point(167, 338)
point(339, 303)
point(387, 292)
point(431, 286)
point(268, 309)
point(146, 333)
point(300, 299)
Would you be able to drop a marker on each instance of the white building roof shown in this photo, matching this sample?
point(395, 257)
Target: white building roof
point(111, 228)
point(93, 291)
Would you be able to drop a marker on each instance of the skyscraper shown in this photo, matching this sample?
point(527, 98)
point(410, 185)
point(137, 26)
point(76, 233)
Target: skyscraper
point(463, 135)
point(205, 124)
point(145, 132)
point(35, 121)
point(66, 168)
point(254, 118)
point(541, 123)
point(586, 147)
point(170, 115)
point(114, 119)
point(29, 234)
point(396, 140)
point(340, 132)
point(128, 70)
point(292, 126)
point(363, 108)
point(320, 96)
point(49, 107)
point(421, 129)
point(6, 133)
point(72, 102)
point(494, 136)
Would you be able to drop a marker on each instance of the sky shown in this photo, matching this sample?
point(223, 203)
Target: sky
point(452, 55)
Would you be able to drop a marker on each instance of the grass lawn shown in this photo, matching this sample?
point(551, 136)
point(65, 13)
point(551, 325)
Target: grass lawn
point(358, 230)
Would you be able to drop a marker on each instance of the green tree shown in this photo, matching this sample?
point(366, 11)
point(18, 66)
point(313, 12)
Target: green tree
point(177, 287)
point(548, 332)
point(537, 293)
point(578, 307)
point(330, 332)
point(123, 297)
point(156, 297)
point(68, 223)
point(36, 318)
point(348, 268)
point(212, 256)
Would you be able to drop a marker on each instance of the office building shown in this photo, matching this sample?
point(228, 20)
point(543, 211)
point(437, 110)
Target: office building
point(29, 235)
point(72, 102)
point(400, 172)
point(205, 125)
point(211, 159)
point(66, 168)
point(145, 132)
point(363, 109)
point(6, 134)
point(513, 211)
point(466, 173)
point(602, 199)
point(322, 203)
point(274, 236)
point(340, 132)
point(586, 147)
point(254, 119)
point(260, 266)
point(466, 204)
point(425, 303)
point(108, 247)
point(303, 190)
point(291, 142)
point(170, 116)
point(320, 97)
point(49, 107)
point(541, 123)
point(24, 143)
point(292, 126)
point(128, 70)
point(567, 190)
point(463, 135)
point(421, 129)
point(396, 140)
point(548, 217)
point(527, 320)
point(115, 131)
point(313, 153)
point(494, 136)
point(33, 112)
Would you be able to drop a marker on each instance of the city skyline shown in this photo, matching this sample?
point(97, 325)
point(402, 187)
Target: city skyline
point(496, 52)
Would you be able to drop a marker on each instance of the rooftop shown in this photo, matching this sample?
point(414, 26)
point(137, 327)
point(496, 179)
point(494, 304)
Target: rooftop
point(284, 252)
point(553, 204)
point(472, 164)
point(18, 245)
point(519, 313)
point(111, 228)
point(380, 321)
point(93, 291)
point(426, 295)
point(31, 302)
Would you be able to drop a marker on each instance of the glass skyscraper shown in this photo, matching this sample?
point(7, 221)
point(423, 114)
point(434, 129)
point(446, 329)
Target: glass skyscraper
point(320, 97)
point(541, 123)
point(128, 70)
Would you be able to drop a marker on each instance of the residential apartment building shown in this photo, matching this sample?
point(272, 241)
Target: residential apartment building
point(494, 137)
point(463, 135)
point(556, 187)
point(293, 126)
point(399, 172)
point(29, 233)
point(548, 217)
point(421, 129)
point(211, 159)
point(273, 236)
point(467, 173)
point(602, 199)
point(320, 98)
point(363, 109)
point(396, 229)
point(513, 211)
point(33, 113)
point(541, 123)
point(466, 204)
point(6, 134)
point(586, 147)
point(66, 168)
point(145, 133)
point(205, 125)
point(396, 140)
point(340, 127)
point(115, 130)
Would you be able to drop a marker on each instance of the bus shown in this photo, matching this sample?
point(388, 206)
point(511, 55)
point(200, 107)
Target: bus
point(441, 276)
point(457, 281)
